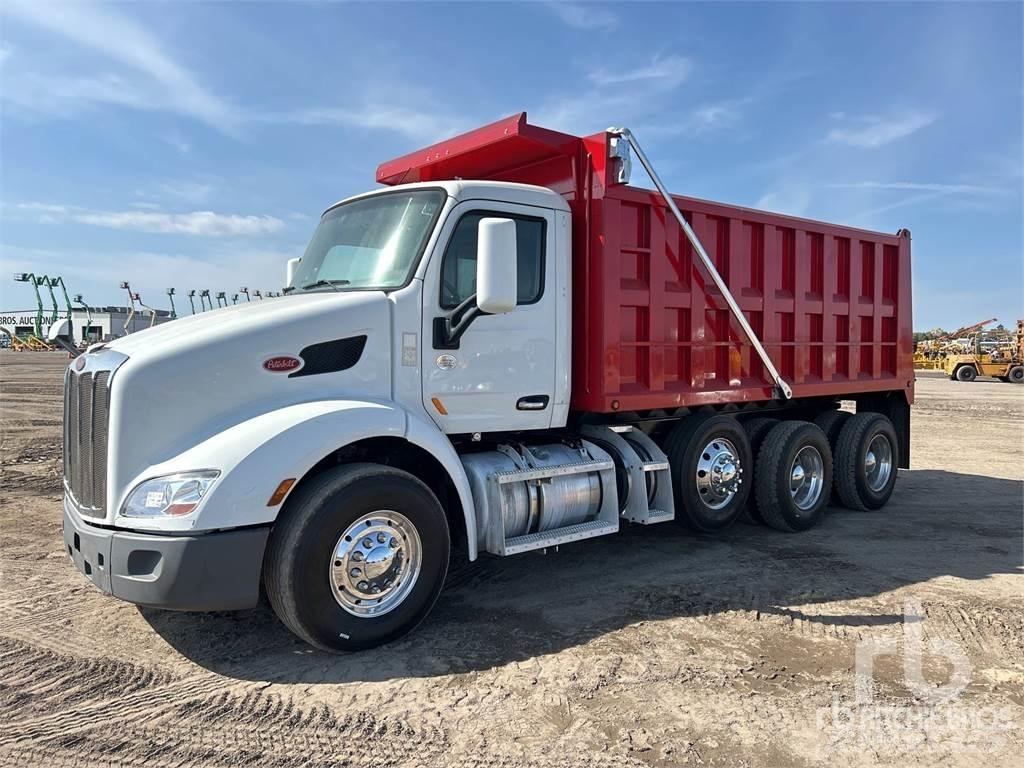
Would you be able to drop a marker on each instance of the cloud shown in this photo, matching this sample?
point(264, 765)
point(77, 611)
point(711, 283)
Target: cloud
point(5, 52)
point(915, 186)
point(668, 71)
point(584, 16)
point(199, 223)
point(159, 81)
point(793, 199)
point(203, 223)
point(424, 126)
point(97, 274)
point(873, 131)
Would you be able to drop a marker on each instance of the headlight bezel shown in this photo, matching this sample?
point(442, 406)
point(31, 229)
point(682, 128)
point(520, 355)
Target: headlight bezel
point(141, 504)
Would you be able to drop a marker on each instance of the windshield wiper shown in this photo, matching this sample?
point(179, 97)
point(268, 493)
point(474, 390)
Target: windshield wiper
point(329, 283)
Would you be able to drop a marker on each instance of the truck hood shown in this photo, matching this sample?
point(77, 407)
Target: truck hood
point(189, 379)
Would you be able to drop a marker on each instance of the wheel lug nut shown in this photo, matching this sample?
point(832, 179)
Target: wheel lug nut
point(357, 556)
point(363, 586)
point(355, 573)
point(393, 543)
point(367, 542)
point(381, 538)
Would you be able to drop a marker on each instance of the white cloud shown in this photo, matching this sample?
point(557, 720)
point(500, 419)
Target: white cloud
point(793, 199)
point(873, 131)
point(5, 52)
point(586, 16)
point(97, 274)
point(421, 125)
point(159, 81)
point(203, 223)
point(916, 186)
point(668, 71)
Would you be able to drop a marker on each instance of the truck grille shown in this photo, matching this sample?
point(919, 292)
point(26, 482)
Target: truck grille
point(86, 412)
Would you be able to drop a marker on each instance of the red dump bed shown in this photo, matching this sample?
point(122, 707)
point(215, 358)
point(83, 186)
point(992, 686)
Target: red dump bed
point(831, 304)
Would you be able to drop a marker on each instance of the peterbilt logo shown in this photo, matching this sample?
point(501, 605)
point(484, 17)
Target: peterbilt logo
point(282, 364)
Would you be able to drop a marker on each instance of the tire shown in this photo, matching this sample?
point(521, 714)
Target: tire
point(301, 565)
point(687, 455)
point(1016, 374)
point(830, 422)
point(757, 429)
point(853, 472)
point(790, 445)
point(966, 373)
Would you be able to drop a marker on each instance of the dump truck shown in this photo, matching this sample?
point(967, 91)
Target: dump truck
point(505, 348)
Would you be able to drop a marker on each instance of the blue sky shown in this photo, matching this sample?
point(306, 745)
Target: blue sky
point(194, 145)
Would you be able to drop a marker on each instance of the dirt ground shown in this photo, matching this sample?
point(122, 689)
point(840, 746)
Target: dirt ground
point(651, 648)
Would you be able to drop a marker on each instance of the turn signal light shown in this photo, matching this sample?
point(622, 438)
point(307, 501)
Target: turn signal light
point(282, 490)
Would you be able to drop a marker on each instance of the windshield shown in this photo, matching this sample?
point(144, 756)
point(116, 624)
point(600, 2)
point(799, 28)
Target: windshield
point(374, 242)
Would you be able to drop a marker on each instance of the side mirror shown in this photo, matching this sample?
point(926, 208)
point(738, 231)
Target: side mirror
point(293, 265)
point(496, 268)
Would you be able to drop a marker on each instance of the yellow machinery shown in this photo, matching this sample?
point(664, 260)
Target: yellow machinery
point(996, 355)
point(930, 354)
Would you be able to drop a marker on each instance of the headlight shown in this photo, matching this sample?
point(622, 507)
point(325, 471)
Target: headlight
point(170, 495)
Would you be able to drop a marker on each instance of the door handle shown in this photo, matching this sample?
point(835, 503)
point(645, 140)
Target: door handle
point(532, 403)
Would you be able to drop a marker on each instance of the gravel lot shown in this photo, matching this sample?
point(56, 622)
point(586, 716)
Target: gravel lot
point(654, 647)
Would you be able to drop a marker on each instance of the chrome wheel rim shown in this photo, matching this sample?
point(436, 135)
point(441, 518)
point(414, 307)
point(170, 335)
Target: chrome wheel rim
point(878, 463)
point(806, 477)
point(718, 473)
point(375, 563)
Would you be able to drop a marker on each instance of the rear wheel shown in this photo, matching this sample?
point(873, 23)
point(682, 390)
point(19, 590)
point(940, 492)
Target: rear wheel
point(756, 429)
point(830, 422)
point(865, 461)
point(357, 558)
point(793, 476)
point(1016, 374)
point(966, 373)
point(710, 458)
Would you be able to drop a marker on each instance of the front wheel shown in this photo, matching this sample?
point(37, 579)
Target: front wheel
point(357, 557)
point(1016, 374)
point(966, 373)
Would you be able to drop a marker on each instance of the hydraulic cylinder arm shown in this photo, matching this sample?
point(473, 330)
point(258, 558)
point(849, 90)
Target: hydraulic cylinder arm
point(784, 389)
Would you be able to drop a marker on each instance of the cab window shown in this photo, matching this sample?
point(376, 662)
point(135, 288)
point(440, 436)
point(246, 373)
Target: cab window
point(458, 268)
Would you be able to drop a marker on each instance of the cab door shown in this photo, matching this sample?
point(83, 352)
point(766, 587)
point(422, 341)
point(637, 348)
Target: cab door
point(502, 375)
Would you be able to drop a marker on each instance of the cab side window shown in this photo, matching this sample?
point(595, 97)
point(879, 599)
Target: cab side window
point(458, 268)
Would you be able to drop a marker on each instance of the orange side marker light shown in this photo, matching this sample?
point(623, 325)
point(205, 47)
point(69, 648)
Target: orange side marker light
point(439, 405)
point(281, 492)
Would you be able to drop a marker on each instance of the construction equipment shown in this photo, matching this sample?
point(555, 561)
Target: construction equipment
point(222, 299)
point(988, 353)
point(170, 295)
point(192, 300)
point(28, 277)
point(129, 320)
point(87, 335)
point(152, 312)
point(245, 290)
point(33, 341)
point(204, 298)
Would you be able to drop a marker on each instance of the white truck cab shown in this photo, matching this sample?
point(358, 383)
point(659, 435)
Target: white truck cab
point(419, 315)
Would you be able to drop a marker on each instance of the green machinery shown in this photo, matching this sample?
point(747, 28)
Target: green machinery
point(28, 277)
point(88, 316)
point(170, 295)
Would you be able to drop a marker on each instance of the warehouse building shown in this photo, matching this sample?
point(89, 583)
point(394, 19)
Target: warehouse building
point(98, 324)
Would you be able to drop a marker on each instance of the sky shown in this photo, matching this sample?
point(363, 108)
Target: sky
point(194, 145)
